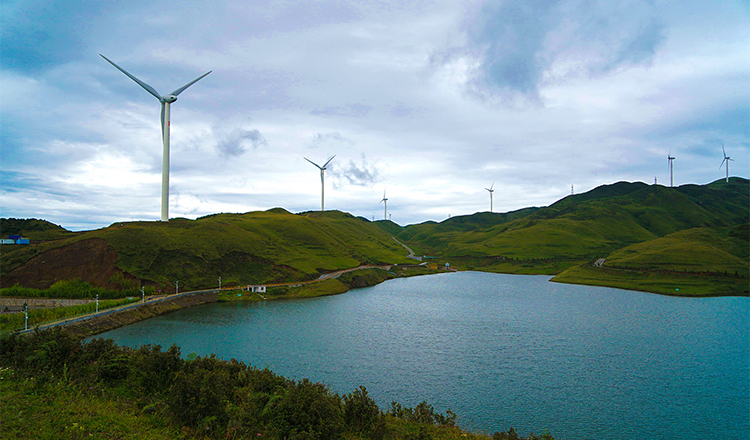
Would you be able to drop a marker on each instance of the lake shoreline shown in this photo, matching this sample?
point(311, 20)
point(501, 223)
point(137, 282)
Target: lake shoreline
point(341, 284)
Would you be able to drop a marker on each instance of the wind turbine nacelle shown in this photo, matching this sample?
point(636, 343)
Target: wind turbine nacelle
point(168, 99)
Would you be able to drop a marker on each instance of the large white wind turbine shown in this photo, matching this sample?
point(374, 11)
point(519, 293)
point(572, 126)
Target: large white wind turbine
point(165, 100)
point(726, 159)
point(322, 180)
point(384, 200)
point(670, 164)
point(491, 191)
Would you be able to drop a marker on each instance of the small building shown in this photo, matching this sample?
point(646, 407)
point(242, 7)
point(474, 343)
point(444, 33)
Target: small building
point(256, 289)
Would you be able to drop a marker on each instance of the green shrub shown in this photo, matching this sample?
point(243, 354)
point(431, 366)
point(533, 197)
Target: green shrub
point(306, 410)
point(362, 415)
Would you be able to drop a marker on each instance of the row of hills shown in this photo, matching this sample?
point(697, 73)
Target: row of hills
point(687, 240)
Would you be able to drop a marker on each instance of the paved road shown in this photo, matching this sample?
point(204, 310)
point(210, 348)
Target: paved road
point(411, 252)
point(153, 300)
point(104, 312)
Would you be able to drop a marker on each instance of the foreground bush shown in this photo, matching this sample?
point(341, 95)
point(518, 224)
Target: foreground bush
point(197, 397)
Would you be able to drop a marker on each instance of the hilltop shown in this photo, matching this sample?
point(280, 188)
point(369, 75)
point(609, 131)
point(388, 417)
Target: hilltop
point(35, 229)
point(689, 229)
point(252, 248)
point(642, 236)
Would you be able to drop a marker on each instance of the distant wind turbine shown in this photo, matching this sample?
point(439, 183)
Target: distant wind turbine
point(670, 165)
point(384, 200)
point(322, 180)
point(726, 159)
point(165, 101)
point(491, 191)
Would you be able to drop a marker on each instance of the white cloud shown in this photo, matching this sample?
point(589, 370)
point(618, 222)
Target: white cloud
point(433, 100)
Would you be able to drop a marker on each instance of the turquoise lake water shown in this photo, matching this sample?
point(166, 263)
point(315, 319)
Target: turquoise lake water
point(499, 351)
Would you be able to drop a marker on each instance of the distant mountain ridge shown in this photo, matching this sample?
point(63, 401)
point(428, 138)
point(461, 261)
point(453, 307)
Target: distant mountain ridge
point(597, 222)
point(252, 248)
point(688, 229)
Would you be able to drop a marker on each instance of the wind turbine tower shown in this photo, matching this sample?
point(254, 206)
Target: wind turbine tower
point(384, 201)
point(670, 162)
point(322, 180)
point(726, 159)
point(490, 190)
point(166, 101)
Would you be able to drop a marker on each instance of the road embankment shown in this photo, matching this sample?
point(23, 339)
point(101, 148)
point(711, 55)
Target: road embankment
point(104, 322)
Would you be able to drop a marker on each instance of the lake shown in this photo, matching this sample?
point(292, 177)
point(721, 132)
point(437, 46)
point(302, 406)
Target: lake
point(500, 351)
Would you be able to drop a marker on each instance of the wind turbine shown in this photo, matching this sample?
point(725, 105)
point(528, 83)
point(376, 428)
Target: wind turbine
point(322, 180)
point(670, 164)
point(491, 191)
point(385, 206)
point(166, 101)
point(726, 159)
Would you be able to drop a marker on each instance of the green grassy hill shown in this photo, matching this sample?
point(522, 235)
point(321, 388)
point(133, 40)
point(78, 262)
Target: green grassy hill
point(692, 228)
point(707, 261)
point(252, 248)
point(587, 225)
point(691, 250)
point(433, 237)
point(34, 229)
point(689, 229)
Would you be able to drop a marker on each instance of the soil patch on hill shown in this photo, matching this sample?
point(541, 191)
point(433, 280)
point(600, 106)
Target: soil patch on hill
point(92, 260)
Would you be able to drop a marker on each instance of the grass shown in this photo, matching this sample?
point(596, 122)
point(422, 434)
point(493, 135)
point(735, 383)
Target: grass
point(653, 228)
point(253, 248)
point(71, 289)
point(515, 266)
point(62, 411)
point(56, 386)
point(308, 290)
point(595, 223)
point(691, 250)
point(671, 283)
point(15, 321)
point(690, 228)
point(332, 286)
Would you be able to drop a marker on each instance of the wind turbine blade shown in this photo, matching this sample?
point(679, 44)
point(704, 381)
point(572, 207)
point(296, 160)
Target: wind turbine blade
point(723, 151)
point(319, 167)
point(329, 161)
point(182, 89)
point(493, 185)
point(147, 87)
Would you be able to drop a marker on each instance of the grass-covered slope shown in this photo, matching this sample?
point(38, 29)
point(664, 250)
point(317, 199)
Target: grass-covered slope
point(56, 386)
point(693, 228)
point(649, 234)
point(34, 229)
point(587, 225)
point(691, 250)
point(256, 247)
point(433, 238)
point(693, 262)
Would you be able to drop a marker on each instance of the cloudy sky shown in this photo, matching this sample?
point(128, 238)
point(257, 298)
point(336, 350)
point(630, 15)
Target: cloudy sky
point(430, 101)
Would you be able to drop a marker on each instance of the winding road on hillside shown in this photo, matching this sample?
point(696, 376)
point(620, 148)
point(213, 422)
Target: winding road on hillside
point(156, 299)
point(411, 252)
